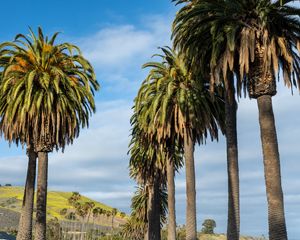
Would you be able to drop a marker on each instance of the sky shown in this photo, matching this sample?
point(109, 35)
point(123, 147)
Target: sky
point(117, 37)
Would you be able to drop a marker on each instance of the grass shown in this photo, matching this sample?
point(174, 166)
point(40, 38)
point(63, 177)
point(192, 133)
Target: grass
point(56, 201)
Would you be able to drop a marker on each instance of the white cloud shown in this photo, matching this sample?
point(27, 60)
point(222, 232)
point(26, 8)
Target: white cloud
point(116, 45)
point(119, 46)
point(96, 164)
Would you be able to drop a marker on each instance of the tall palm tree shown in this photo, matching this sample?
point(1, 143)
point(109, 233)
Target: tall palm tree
point(147, 168)
point(182, 23)
point(135, 227)
point(174, 107)
point(25, 222)
point(257, 41)
point(47, 94)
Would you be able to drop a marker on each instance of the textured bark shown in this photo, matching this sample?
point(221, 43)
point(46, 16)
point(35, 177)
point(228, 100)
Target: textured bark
point(261, 78)
point(233, 221)
point(153, 232)
point(191, 221)
point(277, 225)
point(41, 204)
point(171, 199)
point(25, 223)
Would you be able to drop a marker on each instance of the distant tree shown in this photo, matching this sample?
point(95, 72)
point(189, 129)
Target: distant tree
point(114, 212)
point(83, 210)
point(108, 214)
point(97, 211)
point(88, 207)
point(74, 198)
point(71, 216)
point(208, 226)
point(63, 211)
point(8, 185)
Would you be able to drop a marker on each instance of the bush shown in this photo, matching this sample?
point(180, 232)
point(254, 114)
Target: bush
point(208, 226)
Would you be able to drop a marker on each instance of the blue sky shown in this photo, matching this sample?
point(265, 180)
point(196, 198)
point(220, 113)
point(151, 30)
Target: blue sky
point(118, 37)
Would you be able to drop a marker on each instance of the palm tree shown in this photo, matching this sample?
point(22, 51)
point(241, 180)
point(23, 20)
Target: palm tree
point(174, 108)
point(101, 212)
point(256, 41)
point(147, 167)
point(25, 222)
point(104, 214)
point(74, 198)
point(46, 97)
point(97, 211)
point(89, 208)
point(114, 212)
point(135, 227)
point(181, 24)
point(82, 210)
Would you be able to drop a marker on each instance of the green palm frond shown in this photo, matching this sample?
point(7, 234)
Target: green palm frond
point(47, 90)
point(135, 226)
point(228, 31)
point(172, 101)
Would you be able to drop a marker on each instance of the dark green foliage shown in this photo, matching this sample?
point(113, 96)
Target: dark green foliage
point(208, 226)
point(136, 225)
point(173, 100)
point(227, 32)
point(47, 91)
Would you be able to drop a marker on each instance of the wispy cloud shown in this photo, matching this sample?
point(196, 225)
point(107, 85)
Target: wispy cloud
point(96, 164)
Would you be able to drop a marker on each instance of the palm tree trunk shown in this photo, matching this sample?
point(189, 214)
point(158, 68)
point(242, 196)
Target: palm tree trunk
point(233, 221)
point(25, 223)
point(41, 204)
point(277, 225)
point(191, 220)
point(171, 199)
point(153, 213)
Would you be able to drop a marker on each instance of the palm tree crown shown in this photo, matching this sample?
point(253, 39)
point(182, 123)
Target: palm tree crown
point(235, 32)
point(46, 91)
point(172, 101)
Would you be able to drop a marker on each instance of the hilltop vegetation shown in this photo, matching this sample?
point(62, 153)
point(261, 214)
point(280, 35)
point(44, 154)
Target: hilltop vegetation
point(11, 198)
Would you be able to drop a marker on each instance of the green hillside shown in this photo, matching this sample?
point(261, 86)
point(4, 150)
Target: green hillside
point(11, 198)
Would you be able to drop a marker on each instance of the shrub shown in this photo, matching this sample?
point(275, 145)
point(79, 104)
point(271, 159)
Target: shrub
point(208, 226)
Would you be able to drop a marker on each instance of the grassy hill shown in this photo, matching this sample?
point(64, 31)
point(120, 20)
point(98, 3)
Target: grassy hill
point(11, 202)
point(11, 199)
